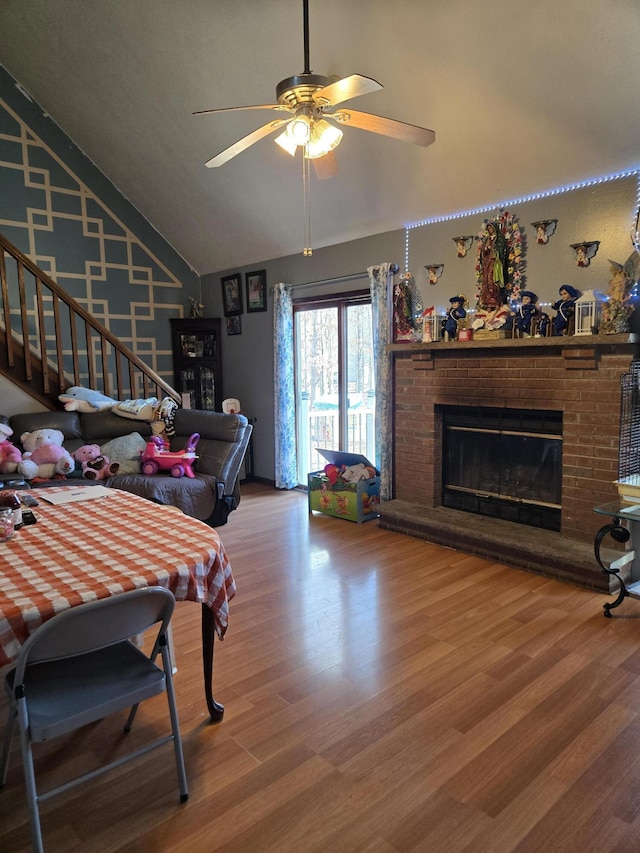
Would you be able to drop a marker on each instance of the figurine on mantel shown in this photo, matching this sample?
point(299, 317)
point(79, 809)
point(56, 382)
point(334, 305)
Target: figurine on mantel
point(566, 308)
point(492, 258)
point(453, 317)
point(526, 313)
point(403, 327)
point(617, 309)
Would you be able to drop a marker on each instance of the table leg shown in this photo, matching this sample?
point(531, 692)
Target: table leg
point(208, 634)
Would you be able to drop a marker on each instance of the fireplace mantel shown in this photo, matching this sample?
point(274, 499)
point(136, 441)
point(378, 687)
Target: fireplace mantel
point(619, 342)
point(576, 375)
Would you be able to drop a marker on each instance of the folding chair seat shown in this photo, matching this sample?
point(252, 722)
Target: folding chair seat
point(81, 666)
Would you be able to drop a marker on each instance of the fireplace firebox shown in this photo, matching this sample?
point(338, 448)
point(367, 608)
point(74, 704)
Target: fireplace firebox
point(503, 463)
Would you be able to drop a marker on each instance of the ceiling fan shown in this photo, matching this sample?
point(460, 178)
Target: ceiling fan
point(308, 100)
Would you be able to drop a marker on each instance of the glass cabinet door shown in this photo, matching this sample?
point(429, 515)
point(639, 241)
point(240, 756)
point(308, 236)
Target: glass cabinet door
point(207, 389)
point(187, 384)
point(197, 345)
point(200, 383)
point(196, 361)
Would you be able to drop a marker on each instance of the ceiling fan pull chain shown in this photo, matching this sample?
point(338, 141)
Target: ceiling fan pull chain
point(306, 191)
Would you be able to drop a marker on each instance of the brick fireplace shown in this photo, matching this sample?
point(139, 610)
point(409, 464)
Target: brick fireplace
point(576, 376)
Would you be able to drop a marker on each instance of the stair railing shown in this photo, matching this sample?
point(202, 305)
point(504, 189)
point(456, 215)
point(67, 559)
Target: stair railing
point(49, 342)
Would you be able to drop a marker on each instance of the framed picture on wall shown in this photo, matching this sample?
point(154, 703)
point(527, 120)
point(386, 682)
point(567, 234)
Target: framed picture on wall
point(234, 326)
point(256, 285)
point(232, 295)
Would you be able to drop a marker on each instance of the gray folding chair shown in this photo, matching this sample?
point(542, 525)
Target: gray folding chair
point(81, 666)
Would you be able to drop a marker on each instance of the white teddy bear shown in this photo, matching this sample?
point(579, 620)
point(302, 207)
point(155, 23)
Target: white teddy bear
point(44, 456)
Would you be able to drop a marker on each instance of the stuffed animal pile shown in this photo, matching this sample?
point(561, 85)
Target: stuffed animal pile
point(159, 413)
point(349, 473)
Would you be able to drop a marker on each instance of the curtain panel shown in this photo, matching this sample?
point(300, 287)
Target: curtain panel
point(286, 476)
point(381, 280)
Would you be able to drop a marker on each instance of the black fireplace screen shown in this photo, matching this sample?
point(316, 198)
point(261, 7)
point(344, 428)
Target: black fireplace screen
point(629, 448)
point(504, 463)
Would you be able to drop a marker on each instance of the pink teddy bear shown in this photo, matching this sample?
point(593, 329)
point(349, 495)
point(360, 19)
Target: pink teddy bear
point(95, 466)
point(10, 456)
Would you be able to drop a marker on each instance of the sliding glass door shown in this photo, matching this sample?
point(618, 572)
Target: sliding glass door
point(334, 379)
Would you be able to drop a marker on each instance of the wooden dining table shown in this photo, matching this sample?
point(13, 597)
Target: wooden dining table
point(89, 549)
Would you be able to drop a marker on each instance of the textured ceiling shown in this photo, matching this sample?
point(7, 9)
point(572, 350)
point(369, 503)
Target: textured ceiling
point(522, 96)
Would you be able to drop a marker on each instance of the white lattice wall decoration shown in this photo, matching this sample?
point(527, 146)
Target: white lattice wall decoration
point(50, 214)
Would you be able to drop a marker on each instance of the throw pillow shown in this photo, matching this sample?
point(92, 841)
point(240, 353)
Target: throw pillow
point(126, 450)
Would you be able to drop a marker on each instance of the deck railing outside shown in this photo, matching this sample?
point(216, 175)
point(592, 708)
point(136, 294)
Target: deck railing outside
point(320, 429)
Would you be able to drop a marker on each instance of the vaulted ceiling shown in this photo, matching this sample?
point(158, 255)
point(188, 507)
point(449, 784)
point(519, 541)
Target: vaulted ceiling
point(522, 96)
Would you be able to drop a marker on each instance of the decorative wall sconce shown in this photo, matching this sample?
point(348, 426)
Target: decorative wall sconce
point(588, 314)
point(463, 244)
point(544, 229)
point(435, 271)
point(585, 251)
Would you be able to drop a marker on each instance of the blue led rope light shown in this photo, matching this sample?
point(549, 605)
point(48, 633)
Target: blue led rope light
point(635, 228)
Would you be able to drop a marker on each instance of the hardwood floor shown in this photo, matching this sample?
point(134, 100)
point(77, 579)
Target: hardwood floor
point(382, 694)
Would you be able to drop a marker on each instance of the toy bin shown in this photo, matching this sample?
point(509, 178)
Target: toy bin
point(354, 501)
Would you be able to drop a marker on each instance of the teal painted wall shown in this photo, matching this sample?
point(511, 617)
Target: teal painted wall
point(58, 208)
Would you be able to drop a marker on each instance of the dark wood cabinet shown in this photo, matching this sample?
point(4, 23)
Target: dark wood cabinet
point(196, 361)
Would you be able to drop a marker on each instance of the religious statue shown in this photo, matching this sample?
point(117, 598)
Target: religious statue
point(403, 323)
point(492, 259)
point(499, 272)
point(616, 311)
point(195, 307)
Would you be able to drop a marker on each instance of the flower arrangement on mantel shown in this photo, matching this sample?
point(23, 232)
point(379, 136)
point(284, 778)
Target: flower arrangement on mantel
point(499, 269)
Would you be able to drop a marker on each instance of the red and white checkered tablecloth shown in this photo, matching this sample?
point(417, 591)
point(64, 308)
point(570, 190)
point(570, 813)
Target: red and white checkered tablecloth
point(92, 549)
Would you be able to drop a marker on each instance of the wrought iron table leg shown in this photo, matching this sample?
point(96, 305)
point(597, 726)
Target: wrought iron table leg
point(208, 634)
point(620, 534)
point(622, 592)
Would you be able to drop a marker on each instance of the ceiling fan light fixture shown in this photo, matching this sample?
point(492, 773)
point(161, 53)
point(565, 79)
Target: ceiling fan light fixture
point(299, 130)
point(287, 143)
point(306, 98)
point(324, 138)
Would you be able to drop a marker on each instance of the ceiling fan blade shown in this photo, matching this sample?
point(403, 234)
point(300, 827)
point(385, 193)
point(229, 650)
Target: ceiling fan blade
point(345, 89)
point(244, 143)
point(385, 126)
point(326, 166)
point(235, 109)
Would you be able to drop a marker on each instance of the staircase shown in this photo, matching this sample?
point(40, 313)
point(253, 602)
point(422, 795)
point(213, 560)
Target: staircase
point(49, 342)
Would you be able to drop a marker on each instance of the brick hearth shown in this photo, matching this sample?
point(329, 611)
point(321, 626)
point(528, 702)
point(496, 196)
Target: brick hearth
point(579, 376)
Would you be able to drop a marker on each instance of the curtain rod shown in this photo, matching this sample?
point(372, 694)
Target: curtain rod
point(340, 278)
point(337, 280)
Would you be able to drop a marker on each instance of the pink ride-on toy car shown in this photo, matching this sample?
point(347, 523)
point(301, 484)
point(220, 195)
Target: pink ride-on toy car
point(155, 458)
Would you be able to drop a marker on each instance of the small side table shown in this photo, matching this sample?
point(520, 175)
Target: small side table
point(624, 526)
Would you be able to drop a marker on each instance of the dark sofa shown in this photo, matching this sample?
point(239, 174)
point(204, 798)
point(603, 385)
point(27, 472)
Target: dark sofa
point(210, 496)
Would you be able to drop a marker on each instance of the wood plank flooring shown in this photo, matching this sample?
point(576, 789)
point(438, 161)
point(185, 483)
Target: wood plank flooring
point(382, 695)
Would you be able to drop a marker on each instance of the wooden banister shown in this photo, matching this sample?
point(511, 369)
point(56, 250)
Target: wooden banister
point(50, 341)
